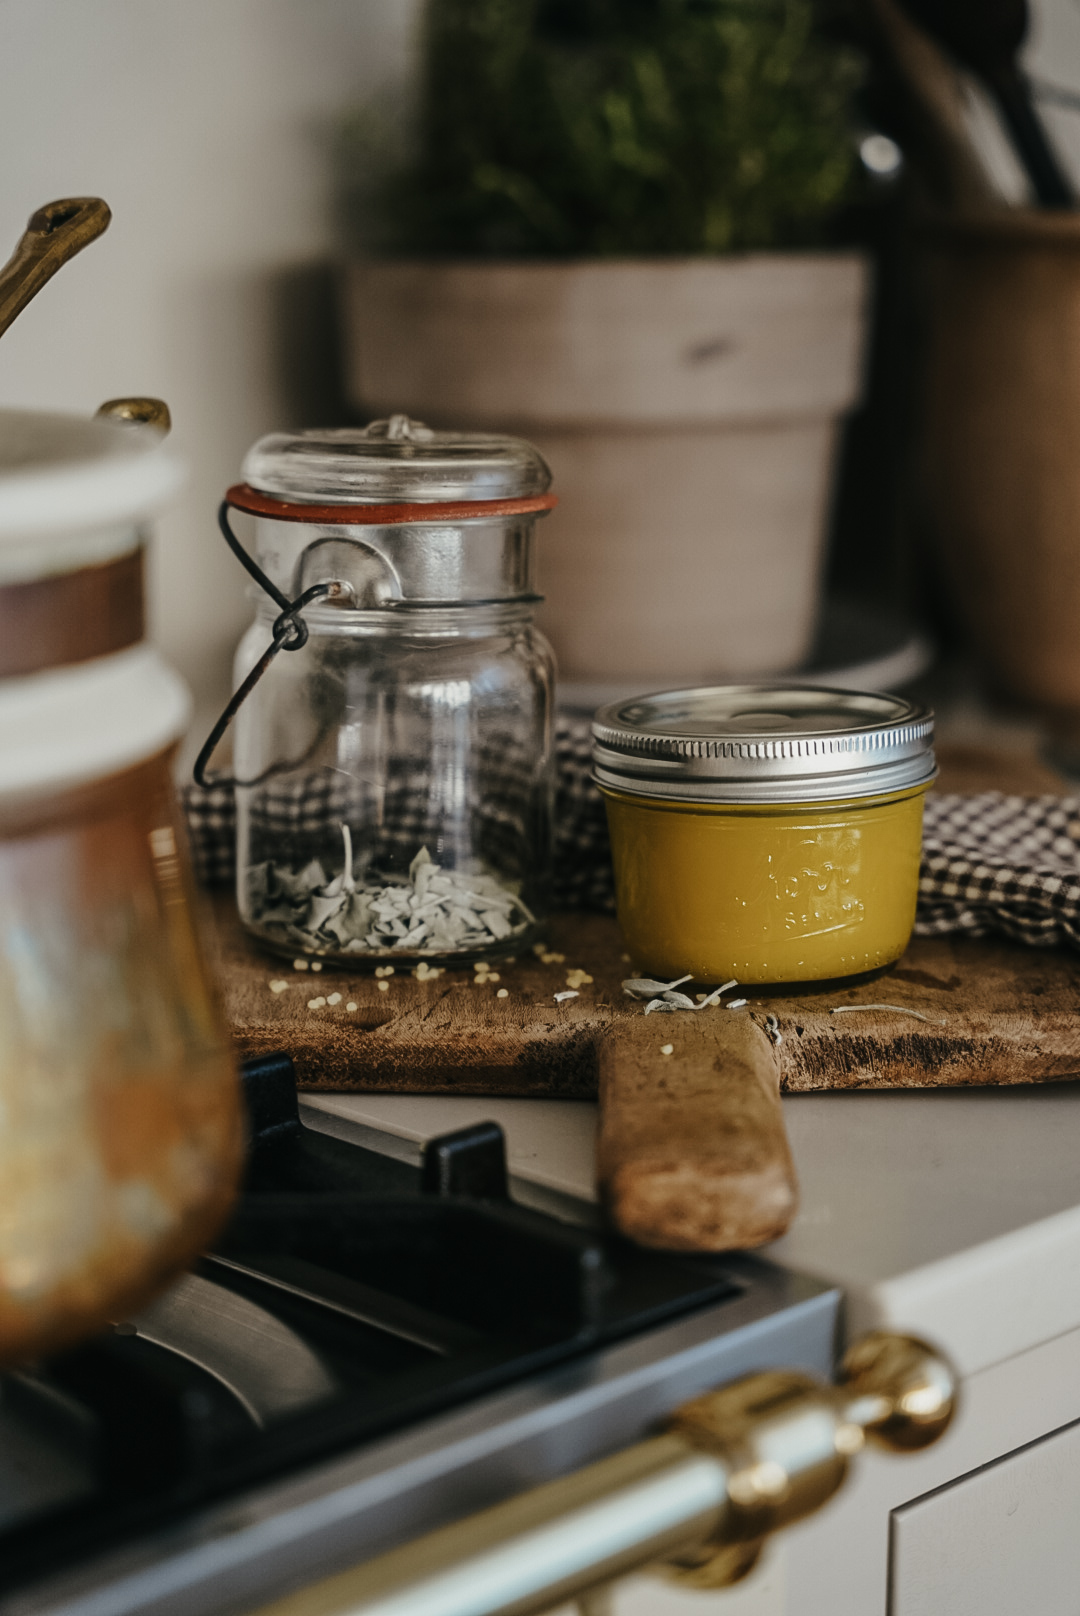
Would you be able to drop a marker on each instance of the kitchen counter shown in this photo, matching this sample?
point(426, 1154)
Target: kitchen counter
point(929, 1209)
point(951, 1213)
point(954, 1214)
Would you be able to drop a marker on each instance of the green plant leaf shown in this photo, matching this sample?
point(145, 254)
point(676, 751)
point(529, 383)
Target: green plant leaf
point(583, 127)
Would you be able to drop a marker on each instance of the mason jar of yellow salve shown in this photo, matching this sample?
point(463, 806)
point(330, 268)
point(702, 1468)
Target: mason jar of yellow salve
point(763, 832)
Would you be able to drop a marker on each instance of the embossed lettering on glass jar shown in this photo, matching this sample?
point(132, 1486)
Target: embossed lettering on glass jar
point(770, 834)
point(394, 771)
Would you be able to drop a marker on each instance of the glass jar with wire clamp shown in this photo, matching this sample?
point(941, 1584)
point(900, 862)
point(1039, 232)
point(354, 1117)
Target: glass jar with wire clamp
point(393, 765)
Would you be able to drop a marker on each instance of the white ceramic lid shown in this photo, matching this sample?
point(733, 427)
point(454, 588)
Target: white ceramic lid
point(68, 726)
point(74, 489)
point(74, 492)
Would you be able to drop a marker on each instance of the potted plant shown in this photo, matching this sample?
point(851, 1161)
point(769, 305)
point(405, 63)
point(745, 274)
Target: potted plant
point(611, 234)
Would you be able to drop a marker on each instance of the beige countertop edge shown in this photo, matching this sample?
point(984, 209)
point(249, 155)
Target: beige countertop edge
point(989, 1302)
point(951, 1215)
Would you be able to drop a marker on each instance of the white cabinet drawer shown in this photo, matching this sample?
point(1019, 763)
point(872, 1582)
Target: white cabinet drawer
point(1002, 1541)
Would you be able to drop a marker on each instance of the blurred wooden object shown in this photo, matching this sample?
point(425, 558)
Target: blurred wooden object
point(1001, 463)
point(942, 151)
point(1021, 773)
point(987, 40)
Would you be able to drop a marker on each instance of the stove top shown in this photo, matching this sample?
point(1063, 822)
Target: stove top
point(373, 1347)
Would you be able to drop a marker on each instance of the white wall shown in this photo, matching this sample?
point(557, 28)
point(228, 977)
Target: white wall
point(204, 124)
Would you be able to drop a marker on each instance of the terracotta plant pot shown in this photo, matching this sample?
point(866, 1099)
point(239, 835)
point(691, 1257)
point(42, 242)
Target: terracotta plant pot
point(1001, 450)
point(689, 409)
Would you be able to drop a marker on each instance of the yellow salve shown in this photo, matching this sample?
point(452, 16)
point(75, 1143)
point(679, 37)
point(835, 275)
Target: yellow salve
point(785, 893)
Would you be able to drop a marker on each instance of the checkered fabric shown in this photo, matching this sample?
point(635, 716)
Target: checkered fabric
point(298, 817)
point(991, 864)
point(998, 864)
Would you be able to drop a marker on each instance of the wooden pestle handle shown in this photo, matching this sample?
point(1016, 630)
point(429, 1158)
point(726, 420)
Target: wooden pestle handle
point(692, 1154)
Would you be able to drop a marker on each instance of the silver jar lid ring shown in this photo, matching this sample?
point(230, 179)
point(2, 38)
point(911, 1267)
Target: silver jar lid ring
point(768, 743)
point(242, 497)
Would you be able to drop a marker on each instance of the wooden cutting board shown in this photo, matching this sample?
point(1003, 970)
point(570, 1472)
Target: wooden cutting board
point(692, 1152)
point(998, 1013)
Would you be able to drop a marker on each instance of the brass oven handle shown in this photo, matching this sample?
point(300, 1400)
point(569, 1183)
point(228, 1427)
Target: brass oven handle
point(55, 233)
point(733, 1466)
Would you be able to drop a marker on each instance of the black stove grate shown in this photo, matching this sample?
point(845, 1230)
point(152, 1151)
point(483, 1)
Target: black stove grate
point(351, 1295)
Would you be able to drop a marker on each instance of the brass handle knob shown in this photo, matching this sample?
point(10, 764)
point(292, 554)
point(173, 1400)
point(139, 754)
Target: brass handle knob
point(138, 411)
point(697, 1501)
point(901, 1393)
point(786, 1440)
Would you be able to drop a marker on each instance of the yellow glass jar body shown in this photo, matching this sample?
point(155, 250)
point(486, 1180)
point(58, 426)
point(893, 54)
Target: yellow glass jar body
point(786, 893)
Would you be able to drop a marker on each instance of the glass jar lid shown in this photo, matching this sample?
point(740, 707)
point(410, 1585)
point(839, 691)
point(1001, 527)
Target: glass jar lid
point(397, 461)
point(763, 744)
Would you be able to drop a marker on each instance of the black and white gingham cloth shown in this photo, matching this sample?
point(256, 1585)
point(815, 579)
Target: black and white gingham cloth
point(991, 864)
point(999, 864)
point(299, 818)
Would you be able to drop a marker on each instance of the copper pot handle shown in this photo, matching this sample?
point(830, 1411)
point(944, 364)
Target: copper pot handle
point(55, 233)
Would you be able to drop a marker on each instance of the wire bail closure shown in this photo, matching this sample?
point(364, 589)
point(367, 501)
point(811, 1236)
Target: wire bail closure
point(290, 633)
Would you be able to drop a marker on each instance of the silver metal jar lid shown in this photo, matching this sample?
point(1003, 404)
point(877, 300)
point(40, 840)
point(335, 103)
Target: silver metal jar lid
point(397, 461)
point(763, 744)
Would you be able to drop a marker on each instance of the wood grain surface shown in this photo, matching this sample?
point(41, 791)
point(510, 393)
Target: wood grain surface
point(999, 1013)
point(692, 1154)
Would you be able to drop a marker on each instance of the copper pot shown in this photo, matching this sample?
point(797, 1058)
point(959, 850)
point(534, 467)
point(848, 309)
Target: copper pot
point(120, 1128)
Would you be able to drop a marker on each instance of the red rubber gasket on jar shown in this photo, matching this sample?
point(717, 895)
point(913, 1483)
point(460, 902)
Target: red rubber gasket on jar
point(245, 498)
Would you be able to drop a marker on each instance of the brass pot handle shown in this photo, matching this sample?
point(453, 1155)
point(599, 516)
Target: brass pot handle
point(55, 233)
point(696, 1502)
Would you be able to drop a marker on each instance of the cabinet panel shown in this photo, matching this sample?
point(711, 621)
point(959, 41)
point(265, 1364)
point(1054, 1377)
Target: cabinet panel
point(1002, 1541)
point(762, 1593)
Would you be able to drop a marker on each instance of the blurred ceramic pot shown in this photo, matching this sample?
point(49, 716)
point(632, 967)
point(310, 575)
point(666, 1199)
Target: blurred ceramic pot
point(1000, 465)
point(689, 409)
point(120, 1137)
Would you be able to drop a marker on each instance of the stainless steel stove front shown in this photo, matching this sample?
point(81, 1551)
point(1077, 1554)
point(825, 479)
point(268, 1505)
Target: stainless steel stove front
point(258, 1546)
